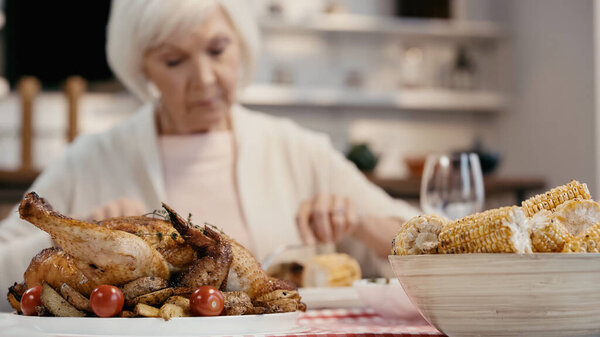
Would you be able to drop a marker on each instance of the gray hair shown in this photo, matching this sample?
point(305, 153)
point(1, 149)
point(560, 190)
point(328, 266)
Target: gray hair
point(135, 26)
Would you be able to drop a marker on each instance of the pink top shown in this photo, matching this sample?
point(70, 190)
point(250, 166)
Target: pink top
point(199, 173)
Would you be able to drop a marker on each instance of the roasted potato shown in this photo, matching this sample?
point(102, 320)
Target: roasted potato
point(256, 311)
point(180, 301)
point(56, 304)
point(277, 295)
point(183, 291)
point(156, 298)
point(302, 306)
point(146, 310)
point(143, 286)
point(236, 303)
point(14, 303)
point(75, 298)
point(281, 305)
point(169, 310)
point(127, 314)
point(17, 289)
point(14, 296)
point(42, 311)
point(279, 301)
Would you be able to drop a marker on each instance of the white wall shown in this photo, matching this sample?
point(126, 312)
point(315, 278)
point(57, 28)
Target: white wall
point(550, 128)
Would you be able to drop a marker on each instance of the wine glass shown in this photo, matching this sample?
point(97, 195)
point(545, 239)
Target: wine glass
point(452, 185)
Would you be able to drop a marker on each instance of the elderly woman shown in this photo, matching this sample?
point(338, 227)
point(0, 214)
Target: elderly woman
point(264, 180)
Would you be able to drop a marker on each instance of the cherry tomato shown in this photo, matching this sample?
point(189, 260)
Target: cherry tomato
point(206, 301)
point(106, 300)
point(30, 300)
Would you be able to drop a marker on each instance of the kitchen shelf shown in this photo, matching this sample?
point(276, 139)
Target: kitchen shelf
point(421, 99)
point(409, 188)
point(387, 25)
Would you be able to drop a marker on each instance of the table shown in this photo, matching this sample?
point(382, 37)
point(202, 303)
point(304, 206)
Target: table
point(359, 322)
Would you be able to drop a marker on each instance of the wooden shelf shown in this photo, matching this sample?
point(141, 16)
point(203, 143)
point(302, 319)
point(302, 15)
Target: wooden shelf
point(342, 23)
point(422, 99)
point(17, 179)
point(13, 184)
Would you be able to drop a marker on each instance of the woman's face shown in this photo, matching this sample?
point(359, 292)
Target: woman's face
point(196, 74)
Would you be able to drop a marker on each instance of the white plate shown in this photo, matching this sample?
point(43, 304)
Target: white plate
point(16, 325)
point(330, 297)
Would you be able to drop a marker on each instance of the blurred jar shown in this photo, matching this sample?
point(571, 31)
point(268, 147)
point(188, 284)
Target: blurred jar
point(282, 75)
point(354, 79)
point(334, 7)
point(412, 67)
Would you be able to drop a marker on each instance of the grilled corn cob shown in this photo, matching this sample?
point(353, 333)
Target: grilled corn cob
point(556, 196)
point(586, 242)
point(500, 230)
point(419, 235)
point(548, 234)
point(578, 215)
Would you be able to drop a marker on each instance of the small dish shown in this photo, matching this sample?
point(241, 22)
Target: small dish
point(386, 297)
point(416, 165)
point(330, 297)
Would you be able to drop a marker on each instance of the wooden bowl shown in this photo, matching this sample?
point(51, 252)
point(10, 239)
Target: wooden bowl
point(505, 294)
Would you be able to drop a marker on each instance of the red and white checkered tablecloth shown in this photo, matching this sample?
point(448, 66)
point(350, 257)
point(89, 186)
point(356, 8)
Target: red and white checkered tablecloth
point(359, 322)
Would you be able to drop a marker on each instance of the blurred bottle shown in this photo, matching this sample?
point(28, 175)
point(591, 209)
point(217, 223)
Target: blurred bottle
point(463, 72)
point(354, 79)
point(275, 8)
point(282, 75)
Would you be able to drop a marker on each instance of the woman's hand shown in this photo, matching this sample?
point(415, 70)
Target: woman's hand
point(326, 218)
point(119, 207)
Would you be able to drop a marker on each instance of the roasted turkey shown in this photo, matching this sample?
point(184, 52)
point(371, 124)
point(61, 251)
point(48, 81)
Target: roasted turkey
point(119, 250)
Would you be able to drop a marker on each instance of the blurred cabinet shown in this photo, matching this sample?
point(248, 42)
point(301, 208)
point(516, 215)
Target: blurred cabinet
point(346, 60)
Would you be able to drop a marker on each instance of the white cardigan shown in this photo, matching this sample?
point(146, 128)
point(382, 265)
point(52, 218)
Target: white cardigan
point(279, 165)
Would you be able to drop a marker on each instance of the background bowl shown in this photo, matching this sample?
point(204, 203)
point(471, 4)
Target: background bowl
point(386, 297)
point(416, 165)
point(505, 294)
